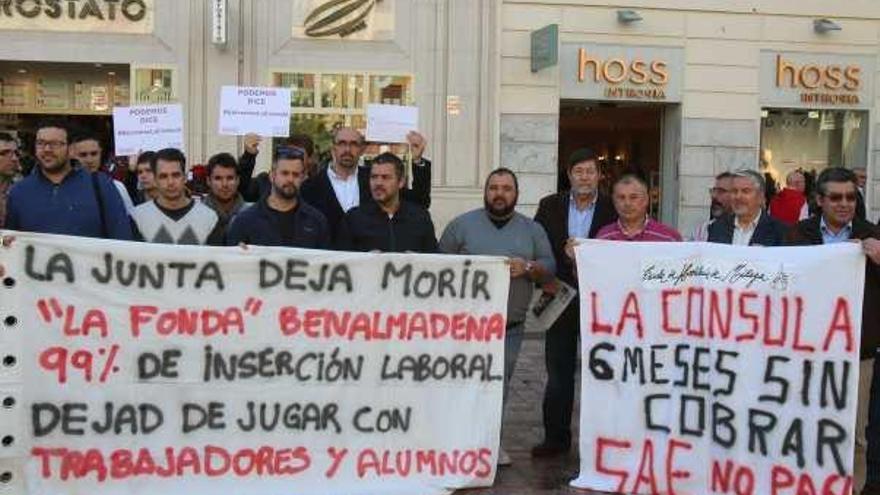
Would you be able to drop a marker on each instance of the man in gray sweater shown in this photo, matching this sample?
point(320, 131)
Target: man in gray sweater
point(498, 230)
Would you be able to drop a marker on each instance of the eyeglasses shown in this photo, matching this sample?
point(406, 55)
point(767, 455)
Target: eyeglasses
point(838, 197)
point(50, 144)
point(9, 152)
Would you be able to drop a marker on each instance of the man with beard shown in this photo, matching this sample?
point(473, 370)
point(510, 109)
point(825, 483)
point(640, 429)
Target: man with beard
point(57, 198)
point(721, 205)
point(173, 217)
point(566, 216)
point(838, 222)
point(344, 185)
point(498, 230)
point(281, 218)
point(223, 196)
point(87, 150)
point(388, 223)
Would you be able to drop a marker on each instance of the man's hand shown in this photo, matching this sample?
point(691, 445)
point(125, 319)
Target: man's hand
point(872, 250)
point(518, 267)
point(417, 144)
point(570, 244)
point(551, 287)
point(252, 143)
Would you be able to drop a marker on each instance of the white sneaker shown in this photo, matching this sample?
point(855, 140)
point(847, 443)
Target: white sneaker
point(503, 458)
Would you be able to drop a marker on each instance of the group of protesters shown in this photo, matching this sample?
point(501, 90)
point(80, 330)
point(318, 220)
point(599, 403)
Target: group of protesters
point(347, 205)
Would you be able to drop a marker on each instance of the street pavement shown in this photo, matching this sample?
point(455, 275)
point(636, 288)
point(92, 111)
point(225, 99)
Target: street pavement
point(523, 429)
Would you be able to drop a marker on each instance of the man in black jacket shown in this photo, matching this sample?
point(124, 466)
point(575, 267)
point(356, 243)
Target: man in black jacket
point(839, 222)
point(388, 223)
point(282, 219)
point(566, 216)
point(344, 185)
point(749, 224)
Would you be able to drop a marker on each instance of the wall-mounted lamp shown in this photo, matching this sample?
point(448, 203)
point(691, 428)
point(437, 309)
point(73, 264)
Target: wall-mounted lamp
point(628, 16)
point(823, 26)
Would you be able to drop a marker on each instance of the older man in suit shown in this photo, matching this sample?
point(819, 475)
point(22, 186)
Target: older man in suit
point(566, 216)
point(344, 185)
point(749, 224)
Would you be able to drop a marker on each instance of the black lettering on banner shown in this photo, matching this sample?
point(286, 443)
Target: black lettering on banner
point(722, 418)
point(794, 442)
point(293, 276)
point(700, 369)
point(197, 416)
point(680, 363)
point(649, 413)
point(633, 362)
point(657, 364)
point(269, 363)
point(729, 373)
point(137, 419)
point(71, 418)
point(152, 365)
point(423, 367)
point(385, 421)
point(295, 416)
point(832, 436)
point(684, 427)
point(46, 417)
point(425, 283)
point(599, 367)
point(59, 264)
point(770, 377)
point(143, 275)
point(838, 391)
point(805, 385)
point(760, 424)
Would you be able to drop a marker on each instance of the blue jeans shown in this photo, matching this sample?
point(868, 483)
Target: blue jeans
point(873, 430)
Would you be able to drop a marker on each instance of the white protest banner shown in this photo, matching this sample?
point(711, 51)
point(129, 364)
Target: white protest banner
point(390, 123)
point(141, 369)
point(147, 128)
point(263, 111)
point(712, 369)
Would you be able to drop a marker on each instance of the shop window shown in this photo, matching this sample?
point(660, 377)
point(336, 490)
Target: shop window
point(154, 86)
point(322, 102)
point(810, 141)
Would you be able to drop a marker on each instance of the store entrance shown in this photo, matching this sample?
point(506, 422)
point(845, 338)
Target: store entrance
point(81, 94)
point(626, 137)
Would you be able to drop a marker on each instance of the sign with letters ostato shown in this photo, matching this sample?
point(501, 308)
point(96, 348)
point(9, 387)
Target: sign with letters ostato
point(724, 369)
point(263, 111)
point(179, 369)
point(147, 128)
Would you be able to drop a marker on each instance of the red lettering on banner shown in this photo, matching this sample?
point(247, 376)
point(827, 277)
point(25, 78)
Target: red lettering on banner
point(785, 482)
point(693, 331)
point(745, 314)
point(94, 321)
point(840, 323)
point(597, 326)
point(601, 444)
point(646, 469)
point(631, 311)
point(646, 473)
point(671, 473)
point(665, 295)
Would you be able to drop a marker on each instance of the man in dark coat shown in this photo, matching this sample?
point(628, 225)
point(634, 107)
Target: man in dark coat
point(838, 222)
point(749, 224)
point(566, 216)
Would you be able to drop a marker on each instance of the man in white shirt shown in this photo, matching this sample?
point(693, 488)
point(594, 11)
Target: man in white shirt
point(749, 224)
point(345, 184)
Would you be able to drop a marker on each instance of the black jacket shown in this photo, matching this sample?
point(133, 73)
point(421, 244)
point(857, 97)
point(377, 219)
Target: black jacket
point(368, 228)
point(807, 232)
point(768, 232)
point(252, 189)
point(318, 192)
point(256, 225)
point(553, 216)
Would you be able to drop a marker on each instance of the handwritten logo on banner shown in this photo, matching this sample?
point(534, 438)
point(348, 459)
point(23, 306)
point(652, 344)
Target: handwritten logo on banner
point(726, 370)
point(227, 371)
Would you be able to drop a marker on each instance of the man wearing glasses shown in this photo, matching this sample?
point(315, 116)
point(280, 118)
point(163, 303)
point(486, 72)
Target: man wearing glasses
point(10, 170)
point(60, 199)
point(344, 185)
point(838, 222)
point(721, 205)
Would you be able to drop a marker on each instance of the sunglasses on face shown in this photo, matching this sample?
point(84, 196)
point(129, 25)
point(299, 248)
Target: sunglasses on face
point(838, 197)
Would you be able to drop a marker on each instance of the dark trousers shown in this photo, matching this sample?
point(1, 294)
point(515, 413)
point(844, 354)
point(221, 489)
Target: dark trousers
point(873, 430)
point(560, 358)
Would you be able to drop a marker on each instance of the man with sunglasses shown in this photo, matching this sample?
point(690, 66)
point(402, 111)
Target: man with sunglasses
point(282, 218)
point(87, 150)
point(10, 170)
point(57, 198)
point(345, 185)
point(838, 222)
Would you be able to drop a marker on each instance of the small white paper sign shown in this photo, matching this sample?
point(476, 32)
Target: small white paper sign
point(263, 111)
point(391, 123)
point(147, 128)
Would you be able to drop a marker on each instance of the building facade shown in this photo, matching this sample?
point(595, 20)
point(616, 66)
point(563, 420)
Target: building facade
point(678, 90)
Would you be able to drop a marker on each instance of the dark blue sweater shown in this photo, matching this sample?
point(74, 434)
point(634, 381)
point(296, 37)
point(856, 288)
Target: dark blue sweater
point(70, 207)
